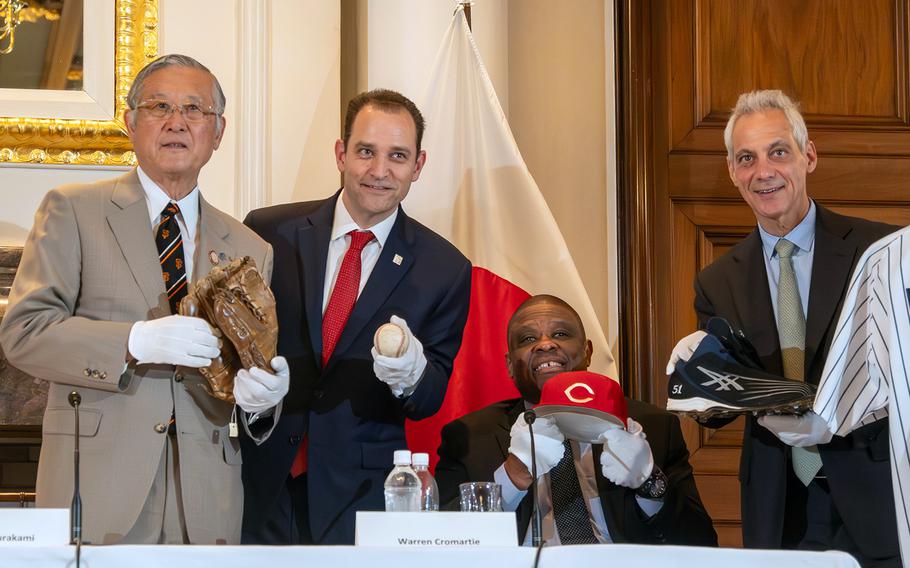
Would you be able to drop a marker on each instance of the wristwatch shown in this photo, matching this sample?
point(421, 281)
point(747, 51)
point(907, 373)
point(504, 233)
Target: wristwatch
point(655, 487)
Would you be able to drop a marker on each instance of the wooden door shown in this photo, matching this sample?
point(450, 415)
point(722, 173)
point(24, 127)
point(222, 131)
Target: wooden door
point(681, 66)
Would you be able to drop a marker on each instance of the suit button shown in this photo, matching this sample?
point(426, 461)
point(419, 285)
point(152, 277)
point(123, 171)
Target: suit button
point(178, 377)
point(294, 439)
point(95, 374)
point(318, 393)
point(161, 427)
point(87, 372)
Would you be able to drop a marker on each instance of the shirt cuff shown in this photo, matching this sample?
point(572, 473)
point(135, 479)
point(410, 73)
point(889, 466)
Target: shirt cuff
point(511, 495)
point(650, 507)
point(254, 416)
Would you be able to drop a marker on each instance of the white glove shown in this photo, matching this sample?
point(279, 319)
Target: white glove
point(173, 340)
point(258, 390)
point(401, 373)
point(547, 443)
point(626, 459)
point(798, 431)
point(684, 349)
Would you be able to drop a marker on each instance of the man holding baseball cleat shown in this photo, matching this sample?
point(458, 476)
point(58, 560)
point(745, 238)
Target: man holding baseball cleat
point(344, 266)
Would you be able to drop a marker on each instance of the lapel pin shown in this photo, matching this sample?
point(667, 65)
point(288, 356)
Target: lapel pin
point(213, 256)
point(397, 259)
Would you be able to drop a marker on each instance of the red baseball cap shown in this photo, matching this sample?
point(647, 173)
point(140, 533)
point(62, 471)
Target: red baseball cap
point(583, 404)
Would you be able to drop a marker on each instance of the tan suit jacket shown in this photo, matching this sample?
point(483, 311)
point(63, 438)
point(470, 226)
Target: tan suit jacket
point(89, 270)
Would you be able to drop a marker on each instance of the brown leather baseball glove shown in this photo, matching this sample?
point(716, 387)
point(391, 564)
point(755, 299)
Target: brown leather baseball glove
point(238, 304)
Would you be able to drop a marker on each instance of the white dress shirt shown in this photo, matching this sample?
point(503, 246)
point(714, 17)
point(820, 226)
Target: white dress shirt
point(188, 219)
point(339, 242)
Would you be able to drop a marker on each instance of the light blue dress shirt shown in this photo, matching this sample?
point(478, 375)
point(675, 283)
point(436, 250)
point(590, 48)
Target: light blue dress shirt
point(803, 236)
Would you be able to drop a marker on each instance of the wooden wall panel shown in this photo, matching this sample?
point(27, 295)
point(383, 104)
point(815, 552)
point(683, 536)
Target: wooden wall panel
point(703, 177)
point(683, 65)
point(822, 48)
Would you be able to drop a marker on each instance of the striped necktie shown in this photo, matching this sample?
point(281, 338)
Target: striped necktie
point(791, 328)
point(170, 255)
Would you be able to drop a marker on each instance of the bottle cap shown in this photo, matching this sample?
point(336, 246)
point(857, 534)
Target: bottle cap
point(402, 457)
point(420, 459)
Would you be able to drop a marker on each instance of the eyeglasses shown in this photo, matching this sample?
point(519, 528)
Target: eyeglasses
point(191, 112)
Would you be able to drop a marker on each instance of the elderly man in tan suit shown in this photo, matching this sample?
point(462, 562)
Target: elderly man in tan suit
point(92, 308)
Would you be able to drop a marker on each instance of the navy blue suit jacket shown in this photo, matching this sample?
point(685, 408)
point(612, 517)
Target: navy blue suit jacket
point(353, 421)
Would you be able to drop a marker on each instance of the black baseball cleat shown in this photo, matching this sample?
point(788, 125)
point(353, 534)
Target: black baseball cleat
point(734, 342)
point(721, 379)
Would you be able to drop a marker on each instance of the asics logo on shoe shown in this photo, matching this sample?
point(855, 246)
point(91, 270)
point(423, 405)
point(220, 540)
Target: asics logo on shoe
point(724, 381)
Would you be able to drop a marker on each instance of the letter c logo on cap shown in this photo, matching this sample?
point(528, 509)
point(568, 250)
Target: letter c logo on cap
point(573, 398)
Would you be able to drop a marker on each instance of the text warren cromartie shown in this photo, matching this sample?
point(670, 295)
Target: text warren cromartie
point(438, 541)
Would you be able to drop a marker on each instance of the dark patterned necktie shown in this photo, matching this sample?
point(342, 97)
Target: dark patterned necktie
point(170, 255)
point(569, 511)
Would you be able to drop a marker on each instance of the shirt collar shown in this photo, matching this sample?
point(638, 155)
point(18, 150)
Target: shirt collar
point(156, 199)
point(802, 235)
point(343, 223)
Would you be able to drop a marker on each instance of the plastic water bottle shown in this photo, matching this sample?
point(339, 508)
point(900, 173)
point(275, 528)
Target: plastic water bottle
point(402, 486)
point(429, 493)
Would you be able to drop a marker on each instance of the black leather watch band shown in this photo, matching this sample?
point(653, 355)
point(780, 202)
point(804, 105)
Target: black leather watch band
point(655, 486)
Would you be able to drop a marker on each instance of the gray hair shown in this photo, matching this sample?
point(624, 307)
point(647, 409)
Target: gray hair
point(760, 101)
point(175, 60)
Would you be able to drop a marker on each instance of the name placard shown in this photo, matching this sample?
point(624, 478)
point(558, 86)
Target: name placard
point(34, 527)
point(449, 528)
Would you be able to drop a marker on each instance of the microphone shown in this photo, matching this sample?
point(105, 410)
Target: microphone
point(75, 399)
point(530, 416)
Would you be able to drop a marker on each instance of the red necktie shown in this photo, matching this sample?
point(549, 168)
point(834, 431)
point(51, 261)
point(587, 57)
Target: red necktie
point(341, 302)
point(344, 294)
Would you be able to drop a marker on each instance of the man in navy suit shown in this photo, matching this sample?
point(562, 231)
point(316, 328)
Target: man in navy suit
point(344, 414)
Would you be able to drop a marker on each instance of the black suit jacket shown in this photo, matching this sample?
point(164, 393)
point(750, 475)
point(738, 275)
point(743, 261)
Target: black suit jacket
point(353, 421)
point(735, 286)
point(474, 446)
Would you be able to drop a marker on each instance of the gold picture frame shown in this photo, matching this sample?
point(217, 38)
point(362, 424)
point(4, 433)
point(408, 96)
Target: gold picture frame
point(89, 141)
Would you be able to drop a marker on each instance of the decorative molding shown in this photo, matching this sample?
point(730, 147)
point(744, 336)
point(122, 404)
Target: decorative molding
point(634, 203)
point(90, 142)
point(253, 166)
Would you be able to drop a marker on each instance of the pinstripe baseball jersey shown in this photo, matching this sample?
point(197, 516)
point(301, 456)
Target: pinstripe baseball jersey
point(867, 373)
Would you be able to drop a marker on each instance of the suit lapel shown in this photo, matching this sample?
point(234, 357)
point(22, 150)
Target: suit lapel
point(504, 430)
point(503, 438)
point(313, 236)
point(394, 262)
point(212, 237)
point(133, 232)
point(752, 298)
point(831, 264)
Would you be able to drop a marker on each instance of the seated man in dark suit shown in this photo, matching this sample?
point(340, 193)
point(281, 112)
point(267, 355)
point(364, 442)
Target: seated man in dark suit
point(611, 502)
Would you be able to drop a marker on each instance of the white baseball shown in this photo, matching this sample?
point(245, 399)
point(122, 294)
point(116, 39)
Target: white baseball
point(390, 340)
